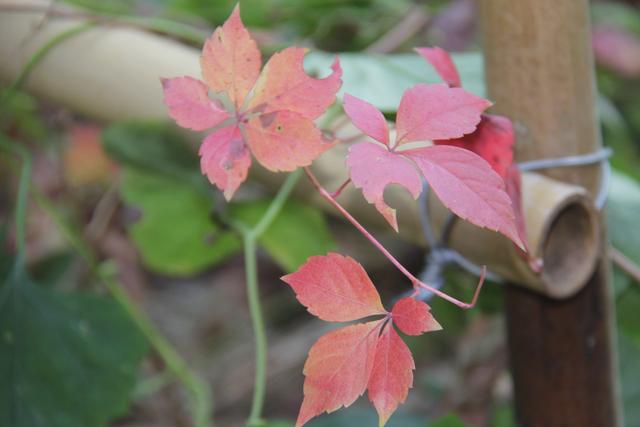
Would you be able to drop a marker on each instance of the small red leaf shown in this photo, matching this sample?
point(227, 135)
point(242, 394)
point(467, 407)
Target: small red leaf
point(335, 288)
point(436, 111)
point(413, 317)
point(367, 118)
point(225, 159)
point(372, 168)
point(189, 104)
point(338, 369)
point(284, 85)
point(392, 374)
point(230, 60)
point(466, 184)
point(441, 61)
point(493, 140)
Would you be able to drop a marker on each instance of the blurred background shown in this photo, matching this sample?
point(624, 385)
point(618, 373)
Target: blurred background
point(120, 225)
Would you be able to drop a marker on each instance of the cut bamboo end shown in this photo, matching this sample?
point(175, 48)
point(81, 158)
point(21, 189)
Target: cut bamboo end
point(563, 231)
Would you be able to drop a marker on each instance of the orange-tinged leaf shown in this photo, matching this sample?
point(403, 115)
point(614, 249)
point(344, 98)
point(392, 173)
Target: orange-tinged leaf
point(225, 159)
point(335, 288)
point(436, 111)
point(230, 60)
point(189, 104)
point(367, 118)
point(372, 168)
point(391, 375)
point(284, 140)
point(338, 369)
point(284, 85)
point(413, 317)
point(441, 61)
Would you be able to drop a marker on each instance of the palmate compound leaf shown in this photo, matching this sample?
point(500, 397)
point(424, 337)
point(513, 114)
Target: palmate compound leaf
point(344, 363)
point(464, 182)
point(275, 124)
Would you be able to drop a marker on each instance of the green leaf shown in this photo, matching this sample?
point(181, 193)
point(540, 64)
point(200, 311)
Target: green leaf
point(382, 79)
point(298, 232)
point(175, 233)
point(152, 147)
point(629, 354)
point(622, 209)
point(66, 359)
point(361, 415)
point(627, 309)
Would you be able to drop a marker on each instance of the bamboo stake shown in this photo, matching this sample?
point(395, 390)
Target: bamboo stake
point(539, 68)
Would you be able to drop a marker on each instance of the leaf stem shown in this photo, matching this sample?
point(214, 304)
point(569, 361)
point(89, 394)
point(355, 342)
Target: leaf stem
point(21, 202)
point(250, 237)
point(201, 406)
point(414, 280)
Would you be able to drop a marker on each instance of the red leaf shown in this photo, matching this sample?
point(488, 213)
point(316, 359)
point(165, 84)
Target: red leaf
point(190, 105)
point(279, 128)
point(367, 118)
point(225, 159)
point(338, 369)
point(435, 111)
point(466, 184)
point(284, 85)
point(442, 63)
point(335, 288)
point(372, 168)
point(493, 140)
point(413, 317)
point(284, 140)
point(231, 60)
point(392, 374)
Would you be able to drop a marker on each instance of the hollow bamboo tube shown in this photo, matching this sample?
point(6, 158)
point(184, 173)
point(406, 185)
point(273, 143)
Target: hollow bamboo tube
point(112, 73)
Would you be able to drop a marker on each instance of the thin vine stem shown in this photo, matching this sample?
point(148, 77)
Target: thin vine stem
point(21, 202)
point(201, 403)
point(250, 236)
point(417, 283)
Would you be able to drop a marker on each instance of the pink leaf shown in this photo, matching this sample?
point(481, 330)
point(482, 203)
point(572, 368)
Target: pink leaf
point(230, 60)
point(335, 288)
point(367, 118)
point(466, 184)
point(493, 140)
point(284, 85)
point(284, 140)
point(189, 104)
point(392, 374)
point(372, 168)
point(413, 317)
point(225, 159)
point(441, 61)
point(435, 111)
point(338, 369)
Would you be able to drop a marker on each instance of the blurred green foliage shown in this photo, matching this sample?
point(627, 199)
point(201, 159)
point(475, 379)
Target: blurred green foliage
point(66, 359)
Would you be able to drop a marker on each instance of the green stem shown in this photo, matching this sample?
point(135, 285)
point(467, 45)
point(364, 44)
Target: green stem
point(250, 237)
point(23, 193)
point(175, 363)
point(39, 55)
point(201, 406)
